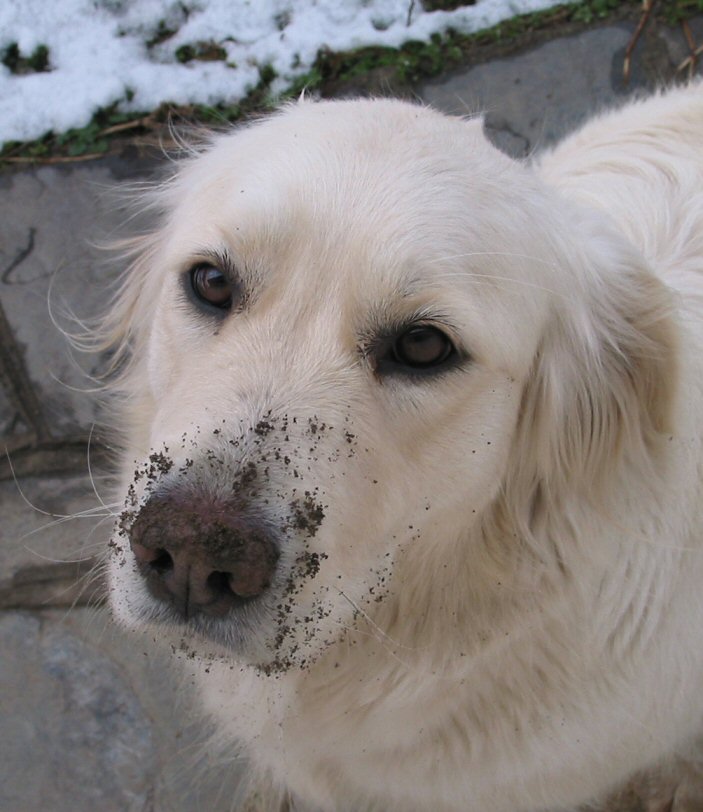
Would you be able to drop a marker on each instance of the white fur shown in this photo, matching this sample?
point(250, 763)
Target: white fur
point(536, 513)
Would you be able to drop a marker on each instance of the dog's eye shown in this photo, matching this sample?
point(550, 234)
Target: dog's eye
point(211, 286)
point(422, 347)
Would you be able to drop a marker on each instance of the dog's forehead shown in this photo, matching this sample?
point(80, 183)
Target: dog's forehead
point(381, 168)
point(359, 174)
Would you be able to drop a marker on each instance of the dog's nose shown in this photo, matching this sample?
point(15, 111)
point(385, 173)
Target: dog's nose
point(201, 556)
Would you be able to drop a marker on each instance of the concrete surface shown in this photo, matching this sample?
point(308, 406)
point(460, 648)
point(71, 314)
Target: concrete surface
point(89, 719)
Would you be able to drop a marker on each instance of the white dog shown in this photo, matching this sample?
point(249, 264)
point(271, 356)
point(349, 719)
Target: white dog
point(417, 432)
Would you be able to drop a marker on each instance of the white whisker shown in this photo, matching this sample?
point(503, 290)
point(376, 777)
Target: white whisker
point(22, 495)
point(75, 341)
point(470, 275)
point(509, 254)
point(89, 578)
point(90, 470)
point(97, 512)
point(384, 643)
point(373, 623)
point(51, 560)
point(89, 391)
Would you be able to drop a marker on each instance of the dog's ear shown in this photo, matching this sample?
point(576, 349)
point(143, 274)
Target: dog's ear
point(122, 334)
point(127, 314)
point(601, 391)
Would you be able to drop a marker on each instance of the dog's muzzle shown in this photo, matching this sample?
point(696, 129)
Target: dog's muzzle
point(201, 556)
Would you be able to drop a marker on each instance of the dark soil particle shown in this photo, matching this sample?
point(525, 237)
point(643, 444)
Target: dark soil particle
point(307, 514)
point(160, 463)
point(263, 428)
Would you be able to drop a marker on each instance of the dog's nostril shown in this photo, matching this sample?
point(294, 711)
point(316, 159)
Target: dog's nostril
point(220, 586)
point(218, 583)
point(157, 560)
point(162, 563)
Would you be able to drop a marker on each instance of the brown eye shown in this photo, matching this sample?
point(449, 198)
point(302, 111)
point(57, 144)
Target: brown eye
point(211, 286)
point(422, 347)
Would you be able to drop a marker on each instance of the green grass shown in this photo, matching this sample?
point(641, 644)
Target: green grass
point(202, 51)
point(36, 62)
point(597, 10)
point(402, 67)
point(680, 10)
point(72, 143)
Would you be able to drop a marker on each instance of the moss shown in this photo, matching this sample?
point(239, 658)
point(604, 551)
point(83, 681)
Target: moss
point(36, 62)
point(82, 141)
point(596, 10)
point(72, 143)
point(446, 5)
point(680, 10)
point(162, 33)
point(267, 74)
point(201, 51)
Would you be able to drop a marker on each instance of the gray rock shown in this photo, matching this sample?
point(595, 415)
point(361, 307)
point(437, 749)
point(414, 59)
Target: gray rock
point(49, 269)
point(74, 735)
point(92, 719)
point(675, 41)
point(533, 99)
point(10, 420)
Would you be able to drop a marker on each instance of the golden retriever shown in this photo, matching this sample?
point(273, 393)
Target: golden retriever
point(412, 468)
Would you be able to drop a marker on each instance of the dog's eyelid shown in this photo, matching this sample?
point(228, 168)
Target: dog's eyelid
point(211, 282)
point(220, 259)
point(422, 318)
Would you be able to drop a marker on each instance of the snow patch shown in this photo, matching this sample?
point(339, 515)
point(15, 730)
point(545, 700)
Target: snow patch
point(117, 52)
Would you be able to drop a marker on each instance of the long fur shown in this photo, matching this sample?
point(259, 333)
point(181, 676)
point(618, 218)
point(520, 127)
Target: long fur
point(508, 612)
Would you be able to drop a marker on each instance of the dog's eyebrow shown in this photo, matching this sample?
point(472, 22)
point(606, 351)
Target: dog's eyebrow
point(410, 287)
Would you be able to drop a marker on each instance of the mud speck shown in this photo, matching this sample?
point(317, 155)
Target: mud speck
point(307, 514)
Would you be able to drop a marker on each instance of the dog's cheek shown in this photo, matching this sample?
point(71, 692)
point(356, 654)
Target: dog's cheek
point(452, 458)
point(172, 342)
point(369, 492)
point(159, 364)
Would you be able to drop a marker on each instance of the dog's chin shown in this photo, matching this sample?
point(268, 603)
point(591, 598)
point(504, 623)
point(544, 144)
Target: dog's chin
point(248, 638)
point(236, 638)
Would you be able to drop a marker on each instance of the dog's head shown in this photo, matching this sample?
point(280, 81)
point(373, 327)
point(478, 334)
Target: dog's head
point(360, 337)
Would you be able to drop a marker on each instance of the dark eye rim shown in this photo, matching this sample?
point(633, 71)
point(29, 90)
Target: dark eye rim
point(201, 303)
point(386, 362)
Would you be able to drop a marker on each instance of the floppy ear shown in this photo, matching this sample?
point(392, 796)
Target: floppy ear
point(601, 391)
